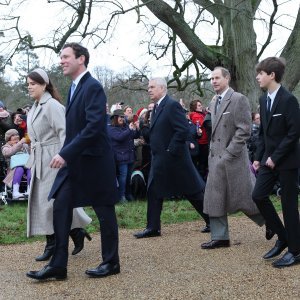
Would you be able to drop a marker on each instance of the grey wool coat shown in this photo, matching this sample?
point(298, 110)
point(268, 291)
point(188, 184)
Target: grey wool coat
point(230, 183)
point(46, 130)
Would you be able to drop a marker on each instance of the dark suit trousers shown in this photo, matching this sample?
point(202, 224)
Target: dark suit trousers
point(155, 204)
point(62, 219)
point(265, 181)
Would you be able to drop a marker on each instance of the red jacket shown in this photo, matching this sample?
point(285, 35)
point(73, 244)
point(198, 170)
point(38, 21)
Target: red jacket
point(196, 116)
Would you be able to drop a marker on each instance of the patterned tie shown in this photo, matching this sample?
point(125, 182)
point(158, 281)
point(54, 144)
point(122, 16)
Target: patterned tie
point(73, 87)
point(218, 102)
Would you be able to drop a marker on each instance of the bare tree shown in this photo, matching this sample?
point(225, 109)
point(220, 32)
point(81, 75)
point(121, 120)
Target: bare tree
point(197, 34)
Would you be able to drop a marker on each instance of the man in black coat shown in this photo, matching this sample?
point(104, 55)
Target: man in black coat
point(278, 157)
point(172, 172)
point(87, 171)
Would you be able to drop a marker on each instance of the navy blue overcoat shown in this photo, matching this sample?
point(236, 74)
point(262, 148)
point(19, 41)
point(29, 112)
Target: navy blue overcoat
point(87, 149)
point(172, 170)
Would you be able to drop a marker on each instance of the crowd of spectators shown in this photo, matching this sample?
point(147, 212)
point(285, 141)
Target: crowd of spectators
point(129, 133)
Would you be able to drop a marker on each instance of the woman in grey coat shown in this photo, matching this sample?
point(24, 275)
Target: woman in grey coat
point(46, 130)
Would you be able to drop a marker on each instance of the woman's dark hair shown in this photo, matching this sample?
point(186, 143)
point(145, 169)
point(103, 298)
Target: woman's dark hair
point(114, 121)
point(78, 51)
point(193, 105)
point(49, 87)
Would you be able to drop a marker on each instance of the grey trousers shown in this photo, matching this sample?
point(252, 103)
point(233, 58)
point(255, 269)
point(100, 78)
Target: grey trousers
point(219, 226)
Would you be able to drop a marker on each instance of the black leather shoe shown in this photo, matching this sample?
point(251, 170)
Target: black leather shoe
point(147, 233)
point(104, 270)
point(215, 244)
point(276, 250)
point(205, 229)
point(287, 260)
point(48, 272)
point(269, 233)
point(78, 235)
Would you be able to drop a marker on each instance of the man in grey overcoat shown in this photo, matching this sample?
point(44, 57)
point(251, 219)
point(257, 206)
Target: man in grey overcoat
point(229, 183)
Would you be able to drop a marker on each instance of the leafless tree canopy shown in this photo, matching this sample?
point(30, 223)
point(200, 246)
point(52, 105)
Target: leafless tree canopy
point(196, 35)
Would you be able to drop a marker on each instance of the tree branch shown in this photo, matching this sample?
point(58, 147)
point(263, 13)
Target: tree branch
point(271, 23)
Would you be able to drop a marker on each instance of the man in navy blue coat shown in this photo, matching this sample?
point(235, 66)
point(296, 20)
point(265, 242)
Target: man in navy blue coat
point(87, 171)
point(172, 171)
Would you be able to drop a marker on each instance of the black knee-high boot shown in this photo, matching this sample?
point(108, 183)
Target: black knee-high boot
point(49, 248)
point(78, 235)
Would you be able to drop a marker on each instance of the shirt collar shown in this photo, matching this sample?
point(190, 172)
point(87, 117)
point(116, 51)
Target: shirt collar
point(224, 93)
point(76, 81)
point(158, 102)
point(273, 95)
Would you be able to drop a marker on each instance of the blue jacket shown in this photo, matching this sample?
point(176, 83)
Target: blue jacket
point(122, 140)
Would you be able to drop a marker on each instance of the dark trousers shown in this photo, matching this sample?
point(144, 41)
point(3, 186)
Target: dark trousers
point(290, 231)
point(203, 160)
point(155, 204)
point(62, 219)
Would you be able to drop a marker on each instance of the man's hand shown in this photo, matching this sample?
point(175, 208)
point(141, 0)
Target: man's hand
point(57, 162)
point(270, 163)
point(256, 165)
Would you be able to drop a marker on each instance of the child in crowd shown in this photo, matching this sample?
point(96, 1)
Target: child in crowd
point(14, 176)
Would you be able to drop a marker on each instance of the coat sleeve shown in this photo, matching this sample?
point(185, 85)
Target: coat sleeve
point(9, 151)
point(293, 130)
point(180, 128)
point(242, 122)
point(56, 117)
point(260, 142)
point(95, 117)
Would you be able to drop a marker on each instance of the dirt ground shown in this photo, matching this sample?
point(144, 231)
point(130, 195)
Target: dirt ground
point(172, 266)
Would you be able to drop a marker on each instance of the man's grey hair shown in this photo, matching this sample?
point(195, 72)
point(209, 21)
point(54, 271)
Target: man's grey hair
point(224, 71)
point(160, 81)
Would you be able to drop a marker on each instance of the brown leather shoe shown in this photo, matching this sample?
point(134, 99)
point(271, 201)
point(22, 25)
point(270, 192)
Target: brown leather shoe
point(215, 244)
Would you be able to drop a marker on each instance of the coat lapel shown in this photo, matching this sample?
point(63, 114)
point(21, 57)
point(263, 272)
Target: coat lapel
point(39, 106)
point(275, 103)
point(77, 90)
point(158, 111)
point(223, 106)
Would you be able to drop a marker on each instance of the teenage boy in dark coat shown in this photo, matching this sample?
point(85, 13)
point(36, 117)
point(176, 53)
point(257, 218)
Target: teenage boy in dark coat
point(278, 157)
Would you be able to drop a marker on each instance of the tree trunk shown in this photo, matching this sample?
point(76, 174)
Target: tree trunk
point(240, 45)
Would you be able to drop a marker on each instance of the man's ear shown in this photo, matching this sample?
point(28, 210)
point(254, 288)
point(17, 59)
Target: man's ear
point(272, 75)
point(81, 59)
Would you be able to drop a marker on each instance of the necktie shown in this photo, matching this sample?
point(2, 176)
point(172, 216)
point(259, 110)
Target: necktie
point(153, 112)
point(218, 102)
point(73, 87)
point(268, 106)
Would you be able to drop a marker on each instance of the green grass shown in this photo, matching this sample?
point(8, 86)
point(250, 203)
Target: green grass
point(131, 215)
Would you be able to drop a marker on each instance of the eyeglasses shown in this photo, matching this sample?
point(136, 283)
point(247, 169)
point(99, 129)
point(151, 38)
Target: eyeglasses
point(122, 117)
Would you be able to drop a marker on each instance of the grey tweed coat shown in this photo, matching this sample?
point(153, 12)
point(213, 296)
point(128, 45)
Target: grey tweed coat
point(46, 129)
point(230, 182)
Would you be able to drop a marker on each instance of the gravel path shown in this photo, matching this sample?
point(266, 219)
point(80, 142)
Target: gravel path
point(169, 267)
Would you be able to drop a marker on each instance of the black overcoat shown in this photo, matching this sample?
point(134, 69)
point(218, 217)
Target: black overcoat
point(172, 171)
point(87, 149)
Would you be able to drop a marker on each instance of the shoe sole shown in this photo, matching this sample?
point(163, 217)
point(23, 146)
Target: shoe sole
point(100, 276)
point(58, 278)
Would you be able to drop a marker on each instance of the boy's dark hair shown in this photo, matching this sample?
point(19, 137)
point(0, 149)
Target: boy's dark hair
point(78, 51)
point(272, 64)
